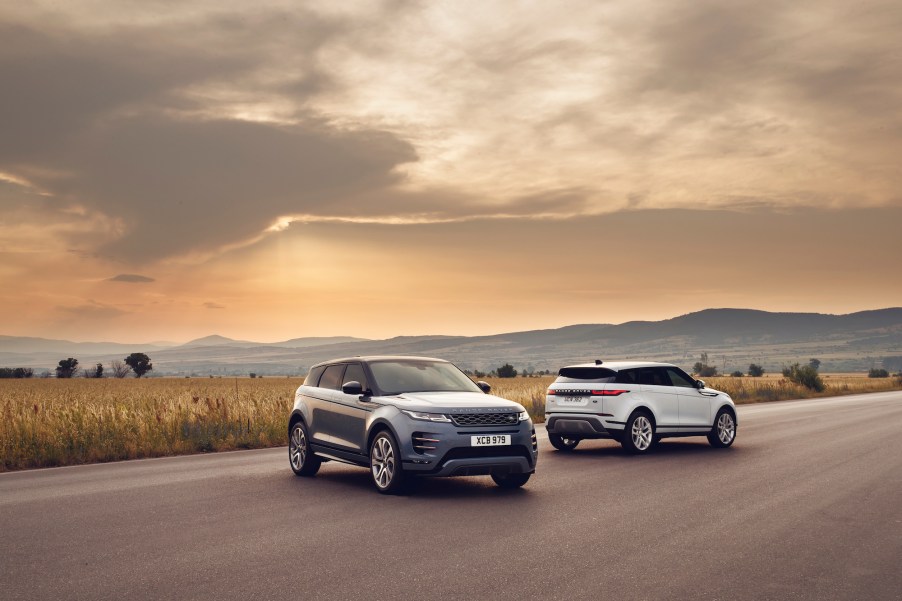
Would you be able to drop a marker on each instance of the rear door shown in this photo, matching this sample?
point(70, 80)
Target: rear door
point(324, 411)
point(349, 420)
point(660, 395)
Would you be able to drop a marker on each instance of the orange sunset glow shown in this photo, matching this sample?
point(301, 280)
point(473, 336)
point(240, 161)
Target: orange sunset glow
point(274, 169)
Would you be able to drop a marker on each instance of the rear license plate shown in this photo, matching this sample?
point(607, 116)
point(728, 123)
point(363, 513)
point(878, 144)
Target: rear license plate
point(573, 401)
point(490, 440)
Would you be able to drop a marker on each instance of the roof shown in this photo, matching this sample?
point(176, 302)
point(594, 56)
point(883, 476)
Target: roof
point(618, 365)
point(369, 358)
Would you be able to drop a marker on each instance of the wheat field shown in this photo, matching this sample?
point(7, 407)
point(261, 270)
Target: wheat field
point(64, 422)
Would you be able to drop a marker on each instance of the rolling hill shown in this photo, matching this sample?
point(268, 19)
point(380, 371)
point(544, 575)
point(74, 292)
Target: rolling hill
point(733, 338)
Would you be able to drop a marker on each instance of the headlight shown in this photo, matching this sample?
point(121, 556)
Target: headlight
point(524, 416)
point(427, 417)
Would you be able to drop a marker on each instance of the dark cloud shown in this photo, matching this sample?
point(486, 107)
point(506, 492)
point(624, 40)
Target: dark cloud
point(85, 118)
point(131, 278)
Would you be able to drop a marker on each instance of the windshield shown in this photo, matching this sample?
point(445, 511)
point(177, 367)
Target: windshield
point(395, 377)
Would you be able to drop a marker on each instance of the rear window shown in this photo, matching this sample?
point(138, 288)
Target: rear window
point(585, 375)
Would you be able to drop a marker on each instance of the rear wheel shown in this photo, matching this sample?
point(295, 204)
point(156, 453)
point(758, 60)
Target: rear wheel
point(639, 435)
point(385, 465)
point(723, 433)
point(303, 462)
point(511, 480)
point(563, 443)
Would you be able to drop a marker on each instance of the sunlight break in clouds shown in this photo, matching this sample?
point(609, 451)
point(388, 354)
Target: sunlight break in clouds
point(176, 134)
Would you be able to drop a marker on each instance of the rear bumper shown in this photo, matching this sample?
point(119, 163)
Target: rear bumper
point(581, 425)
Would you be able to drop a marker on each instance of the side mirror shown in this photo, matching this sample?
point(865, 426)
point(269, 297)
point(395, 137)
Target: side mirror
point(484, 386)
point(352, 387)
point(699, 384)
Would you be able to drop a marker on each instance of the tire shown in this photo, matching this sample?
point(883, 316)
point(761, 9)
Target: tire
point(563, 443)
point(639, 434)
point(385, 465)
point(302, 461)
point(511, 480)
point(723, 433)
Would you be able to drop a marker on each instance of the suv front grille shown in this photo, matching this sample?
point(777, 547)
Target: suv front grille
point(485, 419)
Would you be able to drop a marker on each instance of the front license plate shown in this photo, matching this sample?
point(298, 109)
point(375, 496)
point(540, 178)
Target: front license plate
point(573, 401)
point(490, 440)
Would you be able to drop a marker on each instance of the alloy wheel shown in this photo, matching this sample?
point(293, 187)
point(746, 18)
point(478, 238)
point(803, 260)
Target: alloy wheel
point(726, 428)
point(298, 448)
point(383, 462)
point(641, 433)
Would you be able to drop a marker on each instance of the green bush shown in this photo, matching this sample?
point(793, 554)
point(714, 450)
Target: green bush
point(804, 375)
point(755, 370)
point(877, 373)
point(736, 374)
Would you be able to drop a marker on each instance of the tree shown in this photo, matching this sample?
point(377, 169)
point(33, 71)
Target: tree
point(815, 364)
point(703, 369)
point(875, 372)
point(804, 375)
point(98, 371)
point(66, 368)
point(140, 363)
point(736, 374)
point(507, 371)
point(118, 368)
point(755, 370)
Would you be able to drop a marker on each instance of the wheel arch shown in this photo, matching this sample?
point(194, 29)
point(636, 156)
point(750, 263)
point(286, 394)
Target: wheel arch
point(729, 407)
point(380, 425)
point(648, 411)
point(295, 417)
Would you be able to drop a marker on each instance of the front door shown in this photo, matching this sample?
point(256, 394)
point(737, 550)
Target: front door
point(695, 408)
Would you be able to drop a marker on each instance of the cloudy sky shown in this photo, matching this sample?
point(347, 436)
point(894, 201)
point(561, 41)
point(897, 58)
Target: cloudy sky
point(270, 170)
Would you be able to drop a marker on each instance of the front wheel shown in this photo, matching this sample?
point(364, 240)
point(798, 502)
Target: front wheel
point(639, 435)
point(303, 462)
point(563, 443)
point(385, 465)
point(511, 480)
point(723, 433)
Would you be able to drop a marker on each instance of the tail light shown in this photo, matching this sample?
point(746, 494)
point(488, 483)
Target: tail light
point(608, 392)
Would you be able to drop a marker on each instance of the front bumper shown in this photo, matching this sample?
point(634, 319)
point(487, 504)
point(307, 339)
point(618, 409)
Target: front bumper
point(438, 449)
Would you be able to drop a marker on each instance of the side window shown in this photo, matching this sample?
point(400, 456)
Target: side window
point(355, 373)
point(653, 376)
point(332, 377)
point(626, 376)
point(313, 377)
point(678, 378)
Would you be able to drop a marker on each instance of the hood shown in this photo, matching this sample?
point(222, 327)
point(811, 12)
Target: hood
point(454, 402)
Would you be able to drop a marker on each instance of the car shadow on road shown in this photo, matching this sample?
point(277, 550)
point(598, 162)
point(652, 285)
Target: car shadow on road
point(467, 487)
point(668, 447)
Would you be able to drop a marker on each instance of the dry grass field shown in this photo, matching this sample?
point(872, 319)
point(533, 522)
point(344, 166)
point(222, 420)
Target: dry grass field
point(64, 422)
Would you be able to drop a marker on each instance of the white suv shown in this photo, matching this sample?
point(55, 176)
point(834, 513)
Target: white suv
point(635, 403)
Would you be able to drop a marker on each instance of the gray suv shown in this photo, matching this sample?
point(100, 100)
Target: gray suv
point(408, 416)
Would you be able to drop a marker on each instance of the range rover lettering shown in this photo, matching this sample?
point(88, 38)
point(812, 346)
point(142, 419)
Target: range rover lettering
point(408, 416)
point(636, 404)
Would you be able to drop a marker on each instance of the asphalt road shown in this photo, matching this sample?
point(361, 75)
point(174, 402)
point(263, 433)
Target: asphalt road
point(806, 505)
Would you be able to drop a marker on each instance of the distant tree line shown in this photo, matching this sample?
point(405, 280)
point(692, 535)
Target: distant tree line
point(16, 372)
point(137, 363)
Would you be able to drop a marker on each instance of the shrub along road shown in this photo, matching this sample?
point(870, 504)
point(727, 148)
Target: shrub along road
point(804, 506)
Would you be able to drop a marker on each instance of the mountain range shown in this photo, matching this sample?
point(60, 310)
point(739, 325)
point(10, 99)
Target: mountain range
point(732, 338)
